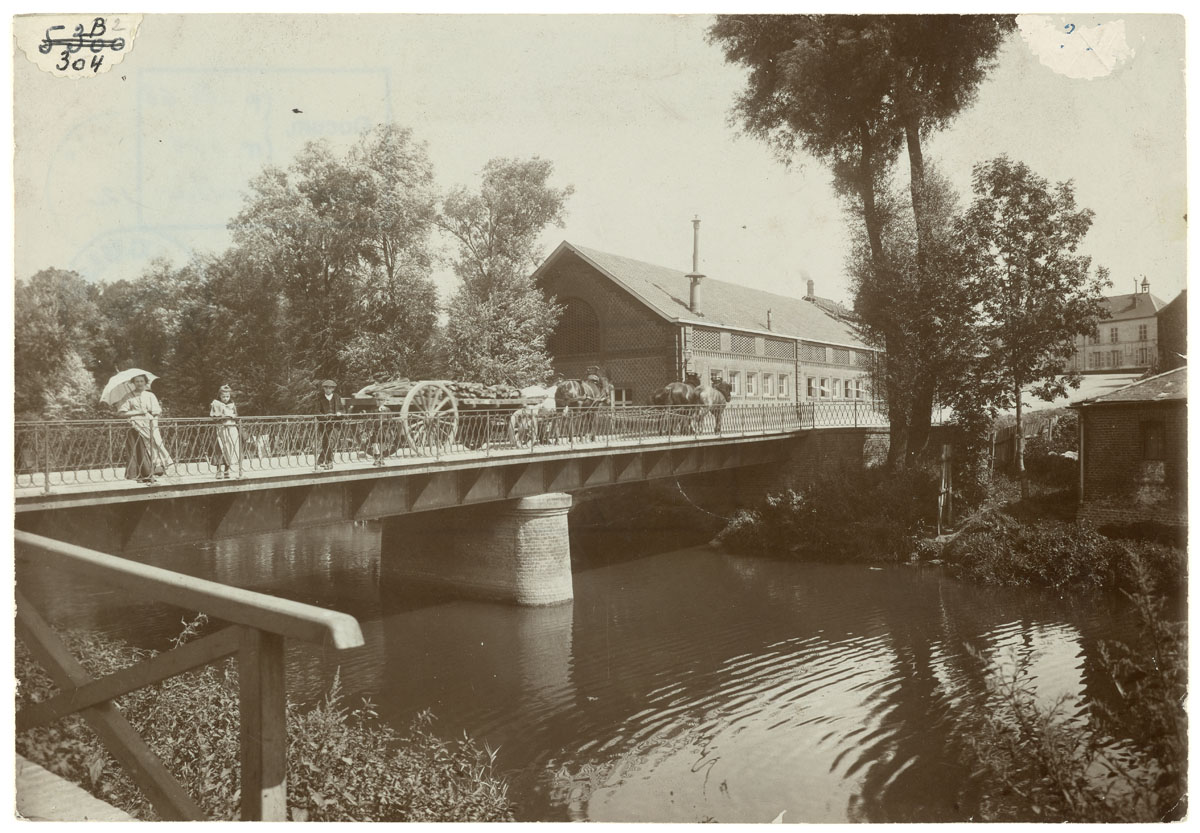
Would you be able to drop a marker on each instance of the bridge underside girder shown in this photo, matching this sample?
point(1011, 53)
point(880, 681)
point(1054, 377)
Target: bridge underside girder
point(248, 507)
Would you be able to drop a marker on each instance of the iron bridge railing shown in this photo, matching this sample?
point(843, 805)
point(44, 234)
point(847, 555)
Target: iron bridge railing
point(50, 455)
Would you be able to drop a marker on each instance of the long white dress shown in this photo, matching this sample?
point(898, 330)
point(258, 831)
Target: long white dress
point(227, 432)
point(143, 411)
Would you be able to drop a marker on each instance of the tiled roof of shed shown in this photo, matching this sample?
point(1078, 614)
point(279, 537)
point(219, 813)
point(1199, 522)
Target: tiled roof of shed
point(1133, 305)
point(723, 304)
point(1168, 386)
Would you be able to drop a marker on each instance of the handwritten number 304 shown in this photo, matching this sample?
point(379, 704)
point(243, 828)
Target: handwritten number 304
point(79, 63)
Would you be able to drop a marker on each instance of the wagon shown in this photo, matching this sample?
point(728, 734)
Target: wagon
point(436, 414)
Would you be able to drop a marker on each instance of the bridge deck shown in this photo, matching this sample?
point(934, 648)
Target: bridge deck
point(111, 481)
point(43, 796)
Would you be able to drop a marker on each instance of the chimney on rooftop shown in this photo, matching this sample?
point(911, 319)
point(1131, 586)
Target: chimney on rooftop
point(768, 318)
point(695, 277)
point(811, 293)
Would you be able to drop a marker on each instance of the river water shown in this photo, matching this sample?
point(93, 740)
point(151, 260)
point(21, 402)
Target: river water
point(679, 686)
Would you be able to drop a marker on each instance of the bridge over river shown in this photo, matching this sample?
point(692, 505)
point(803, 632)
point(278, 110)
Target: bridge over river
point(70, 482)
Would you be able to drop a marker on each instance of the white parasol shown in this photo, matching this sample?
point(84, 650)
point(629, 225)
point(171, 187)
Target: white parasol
point(121, 385)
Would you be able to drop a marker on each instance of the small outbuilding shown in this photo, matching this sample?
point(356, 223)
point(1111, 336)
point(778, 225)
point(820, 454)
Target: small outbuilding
point(1133, 453)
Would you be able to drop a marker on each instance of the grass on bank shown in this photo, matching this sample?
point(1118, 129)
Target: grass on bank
point(344, 764)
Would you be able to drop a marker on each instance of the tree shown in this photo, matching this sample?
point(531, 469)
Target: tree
point(852, 90)
point(498, 320)
point(57, 324)
point(929, 304)
point(346, 243)
point(1019, 243)
point(72, 392)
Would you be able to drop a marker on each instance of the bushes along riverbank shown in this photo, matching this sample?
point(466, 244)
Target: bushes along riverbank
point(1125, 760)
point(343, 763)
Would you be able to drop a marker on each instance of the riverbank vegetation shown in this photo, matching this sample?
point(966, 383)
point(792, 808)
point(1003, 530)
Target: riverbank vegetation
point(872, 515)
point(344, 764)
point(1124, 758)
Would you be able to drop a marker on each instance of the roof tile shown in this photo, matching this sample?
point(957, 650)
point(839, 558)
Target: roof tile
point(723, 304)
point(1171, 385)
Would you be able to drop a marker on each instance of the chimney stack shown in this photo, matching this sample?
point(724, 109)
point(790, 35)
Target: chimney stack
point(695, 277)
point(768, 318)
point(811, 292)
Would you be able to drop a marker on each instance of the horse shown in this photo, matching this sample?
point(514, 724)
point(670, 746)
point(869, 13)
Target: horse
point(581, 401)
point(688, 400)
point(680, 400)
point(713, 400)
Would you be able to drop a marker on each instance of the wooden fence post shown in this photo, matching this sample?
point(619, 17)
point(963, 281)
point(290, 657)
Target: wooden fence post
point(263, 703)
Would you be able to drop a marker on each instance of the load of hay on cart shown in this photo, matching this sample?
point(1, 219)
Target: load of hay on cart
point(436, 415)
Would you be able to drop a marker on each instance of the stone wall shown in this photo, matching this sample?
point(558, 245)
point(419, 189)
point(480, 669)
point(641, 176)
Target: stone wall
point(517, 551)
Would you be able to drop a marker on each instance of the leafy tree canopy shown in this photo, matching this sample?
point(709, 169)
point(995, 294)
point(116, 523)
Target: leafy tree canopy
point(498, 320)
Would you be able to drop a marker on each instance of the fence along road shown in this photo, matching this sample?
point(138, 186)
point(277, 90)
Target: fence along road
point(90, 455)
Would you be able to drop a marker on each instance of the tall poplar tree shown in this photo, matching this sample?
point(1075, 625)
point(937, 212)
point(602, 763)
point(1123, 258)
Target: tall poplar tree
point(854, 90)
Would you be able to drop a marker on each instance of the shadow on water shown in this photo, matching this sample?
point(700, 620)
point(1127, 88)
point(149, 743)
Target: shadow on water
point(682, 683)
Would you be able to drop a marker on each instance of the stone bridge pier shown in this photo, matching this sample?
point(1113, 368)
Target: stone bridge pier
point(515, 551)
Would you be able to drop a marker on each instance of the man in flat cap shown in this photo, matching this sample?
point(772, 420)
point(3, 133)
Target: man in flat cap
point(328, 406)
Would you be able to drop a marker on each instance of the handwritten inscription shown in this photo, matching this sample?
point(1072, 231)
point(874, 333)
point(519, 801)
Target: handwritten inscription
point(93, 40)
point(73, 47)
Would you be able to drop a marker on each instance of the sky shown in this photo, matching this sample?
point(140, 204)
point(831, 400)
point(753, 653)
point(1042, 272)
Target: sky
point(152, 157)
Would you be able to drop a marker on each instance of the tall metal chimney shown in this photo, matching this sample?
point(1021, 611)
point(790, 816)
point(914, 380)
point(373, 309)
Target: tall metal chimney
point(768, 318)
point(811, 290)
point(695, 277)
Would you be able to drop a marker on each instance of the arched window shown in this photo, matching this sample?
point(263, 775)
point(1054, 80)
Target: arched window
point(578, 330)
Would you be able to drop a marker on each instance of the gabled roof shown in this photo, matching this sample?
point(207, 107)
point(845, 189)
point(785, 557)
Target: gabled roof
point(1165, 387)
point(1133, 305)
point(831, 307)
point(723, 304)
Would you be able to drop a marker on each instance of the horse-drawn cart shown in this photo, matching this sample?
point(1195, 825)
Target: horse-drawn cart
point(433, 415)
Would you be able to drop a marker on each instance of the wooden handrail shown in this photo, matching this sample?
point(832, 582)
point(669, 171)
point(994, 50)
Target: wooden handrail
point(293, 620)
point(259, 625)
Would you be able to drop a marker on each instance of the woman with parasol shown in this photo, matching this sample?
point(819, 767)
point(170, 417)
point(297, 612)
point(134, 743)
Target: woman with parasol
point(129, 391)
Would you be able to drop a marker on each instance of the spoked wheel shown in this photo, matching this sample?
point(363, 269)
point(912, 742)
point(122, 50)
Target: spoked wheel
point(430, 417)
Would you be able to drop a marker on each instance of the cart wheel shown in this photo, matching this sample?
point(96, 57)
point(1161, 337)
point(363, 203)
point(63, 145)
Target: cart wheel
point(522, 428)
point(430, 417)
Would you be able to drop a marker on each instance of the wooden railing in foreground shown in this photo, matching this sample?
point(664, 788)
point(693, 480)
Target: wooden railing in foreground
point(259, 625)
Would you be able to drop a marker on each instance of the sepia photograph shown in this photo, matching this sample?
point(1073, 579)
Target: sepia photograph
point(611, 417)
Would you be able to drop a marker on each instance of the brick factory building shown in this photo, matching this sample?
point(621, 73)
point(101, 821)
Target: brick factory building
point(1133, 453)
point(645, 326)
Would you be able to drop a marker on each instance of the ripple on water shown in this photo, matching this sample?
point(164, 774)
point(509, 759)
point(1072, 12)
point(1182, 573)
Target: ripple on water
point(683, 686)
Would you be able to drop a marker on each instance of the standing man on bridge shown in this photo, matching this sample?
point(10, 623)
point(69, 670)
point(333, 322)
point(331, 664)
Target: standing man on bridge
point(329, 405)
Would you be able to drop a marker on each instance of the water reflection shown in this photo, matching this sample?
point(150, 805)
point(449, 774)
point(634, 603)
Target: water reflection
point(684, 686)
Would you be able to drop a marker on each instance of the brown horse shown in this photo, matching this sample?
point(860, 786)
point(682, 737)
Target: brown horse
point(687, 403)
point(583, 403)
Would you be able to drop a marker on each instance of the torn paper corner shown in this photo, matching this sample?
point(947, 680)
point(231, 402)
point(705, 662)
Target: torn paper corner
point(1077, 46)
